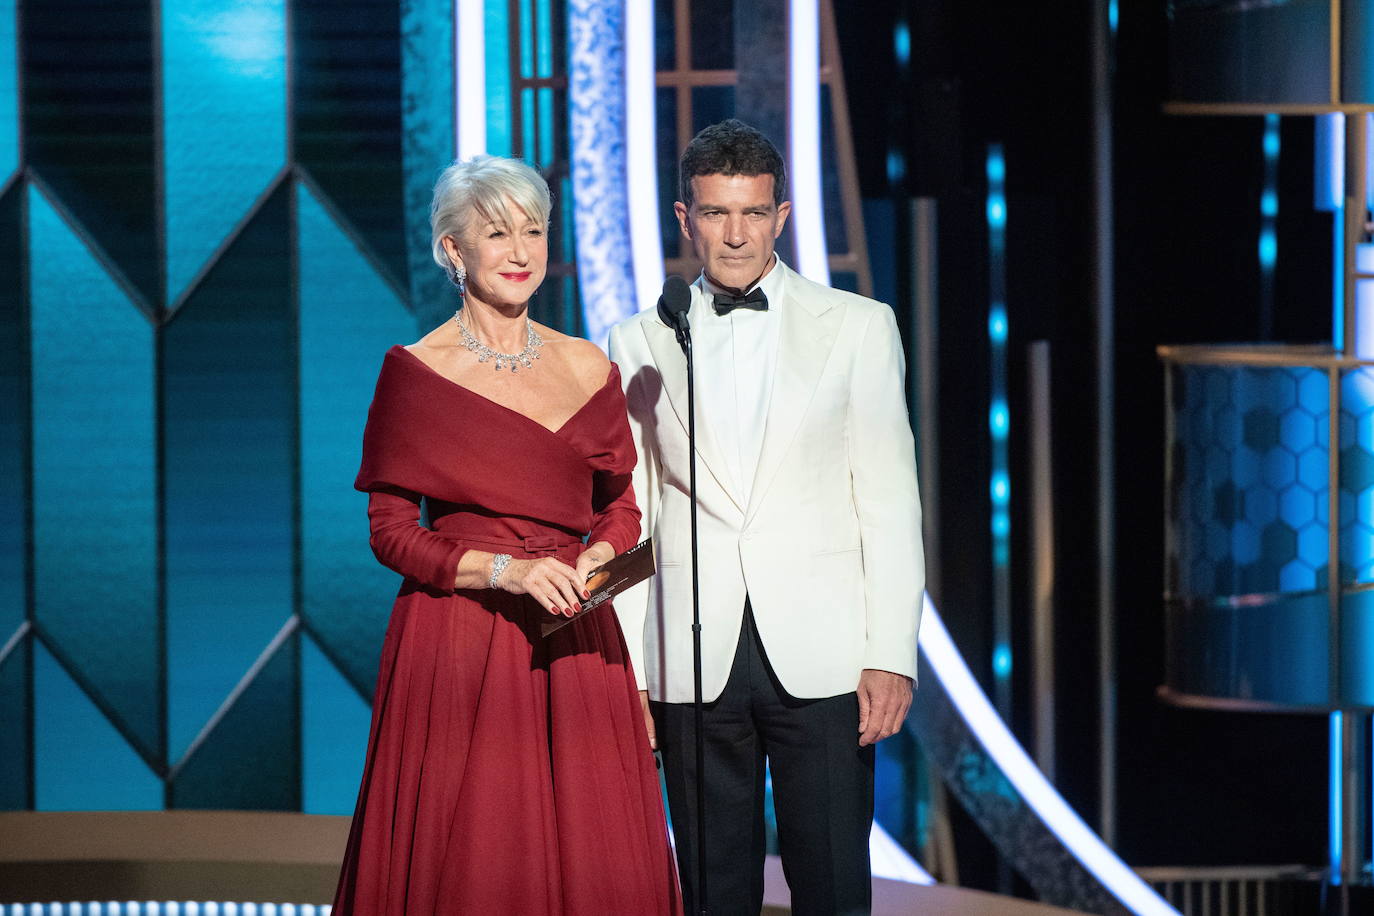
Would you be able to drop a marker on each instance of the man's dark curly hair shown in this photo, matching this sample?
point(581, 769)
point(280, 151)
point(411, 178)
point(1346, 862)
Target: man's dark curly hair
point(731, 148)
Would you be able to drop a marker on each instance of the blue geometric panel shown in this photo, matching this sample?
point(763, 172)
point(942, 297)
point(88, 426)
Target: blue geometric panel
point(334, 726)
point(346, 104)
point(14, 416)
point(94, 477)
point(1357, 476)
point(496, 28)
point(80, 762)
point(229, 454)
point(1251, 471)
point(15, 736)
point(348, 318)
point(9, 90)
point(251, 760)
point(224, 120)
point(88, 121)
point(426, 142)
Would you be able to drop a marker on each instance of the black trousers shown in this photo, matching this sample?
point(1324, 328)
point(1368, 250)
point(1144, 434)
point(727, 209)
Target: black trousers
point(822, 791)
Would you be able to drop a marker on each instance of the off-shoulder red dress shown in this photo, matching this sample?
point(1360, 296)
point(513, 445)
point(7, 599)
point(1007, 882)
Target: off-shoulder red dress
point(506, 772)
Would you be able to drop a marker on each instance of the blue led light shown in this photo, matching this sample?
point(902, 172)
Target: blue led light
point(896, 166)
point(1268, 247)
point(997, 165)
point(997, 323)
point(1001, 523)
point(1001, 661)
point(998, 419)
point(1113, 15)
point(997, 210)
point(1000, 488)
point(901, 43)
point(1269, 203)
point(1334, 795)
point(1271, 136)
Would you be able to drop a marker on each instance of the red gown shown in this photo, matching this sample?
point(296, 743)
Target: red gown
point(506, 772)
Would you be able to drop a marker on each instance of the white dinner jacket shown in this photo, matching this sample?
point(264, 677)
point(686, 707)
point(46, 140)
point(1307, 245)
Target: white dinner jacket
point(828, 546)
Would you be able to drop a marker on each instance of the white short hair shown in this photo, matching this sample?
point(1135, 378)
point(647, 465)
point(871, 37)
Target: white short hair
point(480, 187)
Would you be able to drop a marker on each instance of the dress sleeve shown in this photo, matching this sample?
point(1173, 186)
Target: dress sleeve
point(400, 543)
point(616, 518)
point(616, 515)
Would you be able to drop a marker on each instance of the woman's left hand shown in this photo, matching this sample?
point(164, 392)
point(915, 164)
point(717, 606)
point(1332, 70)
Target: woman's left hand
point(595, 555)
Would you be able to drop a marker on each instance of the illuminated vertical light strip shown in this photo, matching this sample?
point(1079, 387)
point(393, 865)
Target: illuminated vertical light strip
point(1334, 819)
point(1269, 217)
point(496, 25)
point(641, 153)
point(543, 30)
point(470, 79)
point(999, 426)
point(596, 124)
point(1113, 15)
point(1329, 196)
point(973, 707)
point(804, 139)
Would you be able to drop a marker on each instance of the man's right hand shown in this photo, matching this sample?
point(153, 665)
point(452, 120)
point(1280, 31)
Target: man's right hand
point(648, 719)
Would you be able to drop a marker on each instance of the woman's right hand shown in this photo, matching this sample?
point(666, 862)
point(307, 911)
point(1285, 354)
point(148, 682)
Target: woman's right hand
point(551, 582)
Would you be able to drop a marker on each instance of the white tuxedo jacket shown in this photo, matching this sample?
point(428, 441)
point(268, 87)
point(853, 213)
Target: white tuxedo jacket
point(828, 546)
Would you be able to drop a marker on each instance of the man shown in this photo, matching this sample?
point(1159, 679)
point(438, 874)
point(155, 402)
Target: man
point(810, 548)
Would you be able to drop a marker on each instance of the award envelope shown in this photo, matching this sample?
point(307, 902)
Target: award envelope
point(610, 579)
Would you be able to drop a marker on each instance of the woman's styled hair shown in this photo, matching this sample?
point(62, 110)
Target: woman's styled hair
point(478, 188)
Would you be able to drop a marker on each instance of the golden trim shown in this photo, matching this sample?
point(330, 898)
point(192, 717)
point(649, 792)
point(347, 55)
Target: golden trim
point(1233, 704)
point(1261, 108)
point(1335, 60)
point(1258, 356)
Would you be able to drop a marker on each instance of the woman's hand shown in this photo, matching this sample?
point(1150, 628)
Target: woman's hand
point(554, 584)
point(595, 555)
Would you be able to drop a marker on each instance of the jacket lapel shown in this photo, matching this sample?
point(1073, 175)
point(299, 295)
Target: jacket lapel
point(809, 325)
point(672, 370)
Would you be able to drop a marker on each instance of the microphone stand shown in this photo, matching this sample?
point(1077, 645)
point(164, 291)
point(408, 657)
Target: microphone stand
point(684, 339)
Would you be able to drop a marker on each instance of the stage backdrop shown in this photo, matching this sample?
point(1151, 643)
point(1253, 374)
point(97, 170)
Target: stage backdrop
point(212, 224)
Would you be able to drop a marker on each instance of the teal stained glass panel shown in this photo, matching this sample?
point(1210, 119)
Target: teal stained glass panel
point(81, 763)
point(496, 27)
point(251, 761)
point(229, 440)
point(334, 725)
point(15, 750)
point(9, 90)
point(94, 474)
point(348, 318)
point(14, 412)
point(224, 120)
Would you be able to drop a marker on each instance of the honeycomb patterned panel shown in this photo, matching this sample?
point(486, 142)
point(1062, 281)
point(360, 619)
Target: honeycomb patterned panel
point(1250, 467)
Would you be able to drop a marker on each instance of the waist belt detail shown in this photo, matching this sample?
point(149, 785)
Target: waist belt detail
point(533, 544)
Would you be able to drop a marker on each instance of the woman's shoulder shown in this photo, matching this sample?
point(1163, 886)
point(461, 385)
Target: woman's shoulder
point(580, 357)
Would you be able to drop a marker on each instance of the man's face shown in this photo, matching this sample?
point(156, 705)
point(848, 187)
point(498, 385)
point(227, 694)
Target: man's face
point(732, 225)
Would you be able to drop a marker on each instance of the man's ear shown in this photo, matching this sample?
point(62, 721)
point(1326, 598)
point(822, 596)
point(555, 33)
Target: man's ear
point(680, 210)
point(784, 211)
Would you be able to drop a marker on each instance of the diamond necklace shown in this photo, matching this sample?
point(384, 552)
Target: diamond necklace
point(515, 360)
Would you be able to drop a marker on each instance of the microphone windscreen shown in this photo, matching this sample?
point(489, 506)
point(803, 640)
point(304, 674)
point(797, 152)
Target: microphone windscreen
point(675, 302)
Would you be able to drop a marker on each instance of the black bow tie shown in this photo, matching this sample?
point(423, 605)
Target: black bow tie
point(755, 299)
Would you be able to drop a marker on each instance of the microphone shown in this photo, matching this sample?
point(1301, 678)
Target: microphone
point(673, 306)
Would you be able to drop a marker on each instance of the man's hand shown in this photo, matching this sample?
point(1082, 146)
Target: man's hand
point(884, 699)
point(648, 719)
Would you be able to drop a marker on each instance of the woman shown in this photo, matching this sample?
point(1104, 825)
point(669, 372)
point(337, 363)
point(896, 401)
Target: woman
point(506, 772)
